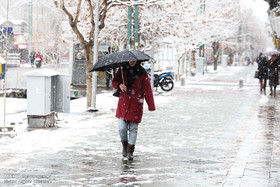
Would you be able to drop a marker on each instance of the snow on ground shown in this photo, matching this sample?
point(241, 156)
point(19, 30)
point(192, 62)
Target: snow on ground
point(106, 104)
point(73, 128)
point(16, 109)
point(220, 72)
point(70, 129)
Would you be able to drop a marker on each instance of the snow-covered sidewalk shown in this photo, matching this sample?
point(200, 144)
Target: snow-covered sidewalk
point(106, 103)
point(192, 138)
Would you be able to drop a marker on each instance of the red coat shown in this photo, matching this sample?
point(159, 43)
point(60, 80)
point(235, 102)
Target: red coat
point(39, 57)
point(130, 106)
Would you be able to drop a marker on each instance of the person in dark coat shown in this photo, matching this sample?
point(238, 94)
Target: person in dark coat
point(273, 74)
point(32, 58)
point(134, 85)
point(108, 78)
point(262, 68)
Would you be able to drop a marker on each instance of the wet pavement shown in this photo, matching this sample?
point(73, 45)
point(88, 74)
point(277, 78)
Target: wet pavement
point(207, 133)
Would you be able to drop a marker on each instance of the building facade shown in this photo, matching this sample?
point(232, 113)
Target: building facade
point(274, 17)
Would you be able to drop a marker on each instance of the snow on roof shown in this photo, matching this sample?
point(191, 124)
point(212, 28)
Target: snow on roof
point(42, 73)
point(13, 22)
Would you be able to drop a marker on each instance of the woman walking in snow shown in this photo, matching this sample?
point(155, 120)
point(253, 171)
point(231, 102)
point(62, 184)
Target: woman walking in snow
point(262, 67)
point(134, 85)
point(273, 74)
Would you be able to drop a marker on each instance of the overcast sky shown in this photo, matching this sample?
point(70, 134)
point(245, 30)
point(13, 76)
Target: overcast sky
point(259, 7)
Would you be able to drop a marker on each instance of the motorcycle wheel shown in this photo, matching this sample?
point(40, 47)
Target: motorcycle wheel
point(167, 84)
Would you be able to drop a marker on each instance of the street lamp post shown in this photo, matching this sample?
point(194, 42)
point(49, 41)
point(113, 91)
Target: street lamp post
point(132, 37)
point(153, 55)
point(6, 58)
point(129, 28)
point(30, 29)
point(95, 56)
point(136, 26)
point(202, 12)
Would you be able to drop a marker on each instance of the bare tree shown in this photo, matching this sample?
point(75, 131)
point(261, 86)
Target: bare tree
point(81, 19)
point(81, 16)
point(223, 22)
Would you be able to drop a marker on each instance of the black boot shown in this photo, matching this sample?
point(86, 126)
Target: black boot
point(130, 150)
point(124, 152)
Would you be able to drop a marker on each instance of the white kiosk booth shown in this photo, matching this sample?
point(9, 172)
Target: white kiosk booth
point(199, 62)
point(224, 61)
point(48, 92)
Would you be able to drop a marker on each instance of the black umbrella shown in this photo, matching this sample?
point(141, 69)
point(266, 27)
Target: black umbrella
point(118, 59)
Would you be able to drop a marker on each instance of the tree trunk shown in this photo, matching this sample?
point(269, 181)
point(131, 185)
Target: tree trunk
point(215, 47)
point(187, 61)
point(89, 64)
point(193, 65)
point(178, 69)
point(180, 62)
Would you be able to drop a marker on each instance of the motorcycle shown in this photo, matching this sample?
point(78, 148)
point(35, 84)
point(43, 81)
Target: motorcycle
point(164, 80)
point(38, 63)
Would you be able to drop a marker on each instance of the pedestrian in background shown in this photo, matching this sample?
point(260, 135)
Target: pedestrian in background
point(32, 58)
point(273, 74)
point(134, 85)
point(109, 74)
point(108, 79)
point(38, 60)
point(262, 68)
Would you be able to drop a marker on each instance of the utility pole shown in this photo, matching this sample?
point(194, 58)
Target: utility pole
point(30, 29)
point(153, 55)
point(95, 56)
point(129, 28)
point(135, 43)
point(132, 37)
point(202, 12)
point(6, 58)
point(136, 26)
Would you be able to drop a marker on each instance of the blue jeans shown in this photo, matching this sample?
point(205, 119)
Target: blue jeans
point(124, 128)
